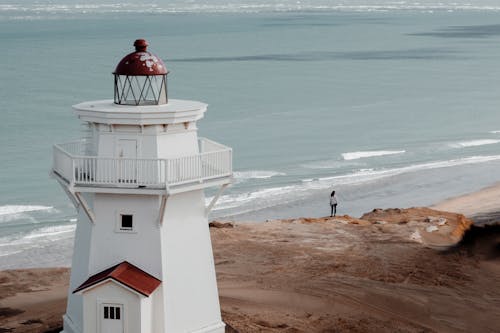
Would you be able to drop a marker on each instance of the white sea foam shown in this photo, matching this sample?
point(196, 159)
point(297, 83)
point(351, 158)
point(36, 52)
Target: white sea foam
point(27, 213)
point(494, 132)
point(49, 233)
point(263, 198)
point(39, 235)
point(364, 154)
point(37, 238)
point(473, 143)
point(16, 209)
point(370, 174)
point(256, 174)
point(256, 6)
point(328, 164)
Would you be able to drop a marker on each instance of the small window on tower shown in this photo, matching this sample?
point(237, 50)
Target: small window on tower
point(126, 222)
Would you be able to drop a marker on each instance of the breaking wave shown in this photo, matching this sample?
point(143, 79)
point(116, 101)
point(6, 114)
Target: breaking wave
point(34, 10)
point(9, 213)
point(16, 209)
point(364, 154)
point(269, 197)
point(256, 174)
point(38, 238)
point(473, 143)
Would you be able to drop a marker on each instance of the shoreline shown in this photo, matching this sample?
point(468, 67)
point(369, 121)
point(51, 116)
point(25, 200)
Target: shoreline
point(349, 281)
point(479, 203)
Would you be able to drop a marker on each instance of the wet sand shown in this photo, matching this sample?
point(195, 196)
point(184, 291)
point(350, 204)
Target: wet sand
point(483, 202)
point(398, 270)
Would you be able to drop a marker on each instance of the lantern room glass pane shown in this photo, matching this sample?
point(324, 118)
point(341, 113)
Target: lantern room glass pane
point(140, 90)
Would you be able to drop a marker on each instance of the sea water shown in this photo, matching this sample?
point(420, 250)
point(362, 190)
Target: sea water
point(392, 104)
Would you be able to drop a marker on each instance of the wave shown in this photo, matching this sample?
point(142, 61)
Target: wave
point(17, 209)
point(232, 204)
point(473, 143)
point(50, 237)
point(256, 174)
point(256, 200)
point(329, 164)
point(364, 154)
point(36, 238)
point(370, 174)
point(49, 232)
point(219, 6)
point(494, 132)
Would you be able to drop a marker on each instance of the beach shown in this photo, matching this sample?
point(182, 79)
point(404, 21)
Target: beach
point(405, 270)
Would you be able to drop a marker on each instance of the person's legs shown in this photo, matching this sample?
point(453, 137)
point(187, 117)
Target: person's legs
point(331, 214)
point(334, 210)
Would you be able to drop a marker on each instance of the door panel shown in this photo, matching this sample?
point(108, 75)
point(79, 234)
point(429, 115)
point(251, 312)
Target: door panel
point(127, 167)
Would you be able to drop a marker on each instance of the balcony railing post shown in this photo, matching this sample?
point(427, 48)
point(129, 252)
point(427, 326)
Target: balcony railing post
point(73, 172)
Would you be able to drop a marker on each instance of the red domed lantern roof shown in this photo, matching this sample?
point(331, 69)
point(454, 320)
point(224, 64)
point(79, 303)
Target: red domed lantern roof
point(141, 62)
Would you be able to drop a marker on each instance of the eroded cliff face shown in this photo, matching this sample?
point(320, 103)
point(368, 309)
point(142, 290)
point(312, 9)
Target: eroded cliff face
point(430, 227)
point(384, 272)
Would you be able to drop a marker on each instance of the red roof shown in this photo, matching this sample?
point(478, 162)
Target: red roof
point(126, 274)
point(141, 62)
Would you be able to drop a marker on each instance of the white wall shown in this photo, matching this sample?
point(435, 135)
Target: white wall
point(181, 143)
point(146, 315)
point(153, 141)
point(140, 247)
point(190, 290)
point(110, 292)
point(79, 266)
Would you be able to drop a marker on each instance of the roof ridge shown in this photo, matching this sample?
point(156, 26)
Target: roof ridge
point(127, 274)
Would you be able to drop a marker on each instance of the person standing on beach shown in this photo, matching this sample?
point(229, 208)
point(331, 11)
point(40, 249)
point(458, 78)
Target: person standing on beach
point(333, 204)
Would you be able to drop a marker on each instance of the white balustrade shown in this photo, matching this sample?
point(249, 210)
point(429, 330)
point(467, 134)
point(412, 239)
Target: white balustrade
point(71, 163)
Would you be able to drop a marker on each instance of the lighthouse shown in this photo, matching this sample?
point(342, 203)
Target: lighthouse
point(143, 259)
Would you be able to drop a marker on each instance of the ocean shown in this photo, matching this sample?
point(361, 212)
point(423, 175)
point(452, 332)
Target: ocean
point(390, 103)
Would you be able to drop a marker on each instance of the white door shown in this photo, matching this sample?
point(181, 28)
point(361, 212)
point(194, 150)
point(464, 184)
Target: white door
point(111, 318)
point(127, 168)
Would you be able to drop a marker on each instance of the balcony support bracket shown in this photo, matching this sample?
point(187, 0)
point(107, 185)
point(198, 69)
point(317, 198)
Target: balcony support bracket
point(163, 205)
point(86, 208)
point(69, 193)
point(216, 197)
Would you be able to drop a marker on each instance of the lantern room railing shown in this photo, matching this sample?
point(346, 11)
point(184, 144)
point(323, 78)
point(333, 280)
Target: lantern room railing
point(74, 165)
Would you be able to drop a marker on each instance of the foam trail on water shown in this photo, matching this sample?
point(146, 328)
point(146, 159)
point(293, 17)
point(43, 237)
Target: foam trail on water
point(34, 10)
point(264, 198)
point(38, 238)
point(494, 132)
point(256, 174)
point(17, 209)
point(49, 232)
point(370, 174)
point(474, 143)
point(364, 154)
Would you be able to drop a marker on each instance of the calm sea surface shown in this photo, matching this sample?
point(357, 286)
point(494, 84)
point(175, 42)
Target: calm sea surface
point(391, 106)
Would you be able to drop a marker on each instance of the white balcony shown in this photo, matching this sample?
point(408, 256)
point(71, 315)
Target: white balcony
point(77, 168)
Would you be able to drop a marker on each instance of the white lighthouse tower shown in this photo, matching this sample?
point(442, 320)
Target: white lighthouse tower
point(142, 257)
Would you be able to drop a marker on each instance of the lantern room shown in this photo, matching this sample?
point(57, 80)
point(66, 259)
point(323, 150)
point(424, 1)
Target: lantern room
point(141, 78)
